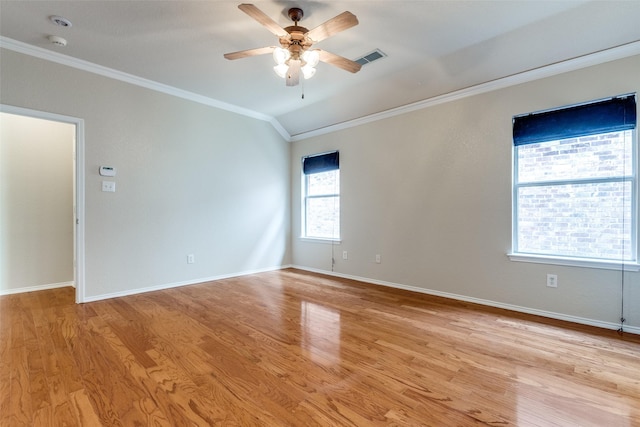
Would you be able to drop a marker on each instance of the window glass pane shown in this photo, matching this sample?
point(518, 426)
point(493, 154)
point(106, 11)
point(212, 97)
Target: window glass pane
point(323, 217)
point(323, 183)
point(594, 156)
point(576, 220)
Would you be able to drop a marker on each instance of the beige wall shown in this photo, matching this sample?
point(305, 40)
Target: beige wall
point(36, 202)
point(430, 191)
point(191, 179)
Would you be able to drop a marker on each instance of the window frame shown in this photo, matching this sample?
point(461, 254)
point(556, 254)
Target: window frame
point(627, 265)
point(305, 197)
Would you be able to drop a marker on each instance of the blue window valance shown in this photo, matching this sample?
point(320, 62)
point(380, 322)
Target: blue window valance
point(610, 115)
point(321, 163)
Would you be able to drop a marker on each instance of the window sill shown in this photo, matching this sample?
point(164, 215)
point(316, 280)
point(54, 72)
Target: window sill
point(320, 240)
point(574, 262)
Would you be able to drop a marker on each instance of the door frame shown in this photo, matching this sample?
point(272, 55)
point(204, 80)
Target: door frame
point(78, 247)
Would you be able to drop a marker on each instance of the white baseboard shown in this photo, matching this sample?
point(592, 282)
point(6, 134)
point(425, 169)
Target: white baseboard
point(178, 284)
point(36, 288)
point(543, 313)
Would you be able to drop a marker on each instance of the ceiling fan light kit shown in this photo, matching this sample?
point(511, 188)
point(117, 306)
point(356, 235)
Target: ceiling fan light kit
point(281, 55)
point(309, 60)
point(281, 70)
point(295, 54)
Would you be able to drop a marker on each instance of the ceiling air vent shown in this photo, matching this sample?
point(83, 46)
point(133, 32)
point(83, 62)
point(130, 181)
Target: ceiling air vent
point(370, 57)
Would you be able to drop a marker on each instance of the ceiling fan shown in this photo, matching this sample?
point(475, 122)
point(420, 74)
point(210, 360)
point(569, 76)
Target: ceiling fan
point(295, 55)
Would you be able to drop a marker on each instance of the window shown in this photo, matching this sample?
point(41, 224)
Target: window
point(575, 181)
point(321, 198)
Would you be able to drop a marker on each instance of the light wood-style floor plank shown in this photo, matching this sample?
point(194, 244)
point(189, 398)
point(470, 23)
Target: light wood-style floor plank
point(292, 348)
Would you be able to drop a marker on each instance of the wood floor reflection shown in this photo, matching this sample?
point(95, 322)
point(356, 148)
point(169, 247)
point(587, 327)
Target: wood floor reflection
point(290, 348)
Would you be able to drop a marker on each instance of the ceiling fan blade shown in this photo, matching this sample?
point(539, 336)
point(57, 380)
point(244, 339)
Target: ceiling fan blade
point(339, 61)
point(249, 52)
point(263, 19)
point(333, 26)
point(293, 73)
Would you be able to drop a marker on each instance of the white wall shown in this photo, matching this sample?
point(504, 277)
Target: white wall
point(36, 203)
point(191, 179)
point(431, 192)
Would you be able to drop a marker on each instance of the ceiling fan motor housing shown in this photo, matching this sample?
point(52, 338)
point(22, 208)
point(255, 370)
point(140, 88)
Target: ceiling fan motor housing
point(296, 42)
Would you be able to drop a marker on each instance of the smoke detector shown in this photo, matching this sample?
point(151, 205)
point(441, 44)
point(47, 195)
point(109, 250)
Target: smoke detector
point(60, 21)
point(58, 41)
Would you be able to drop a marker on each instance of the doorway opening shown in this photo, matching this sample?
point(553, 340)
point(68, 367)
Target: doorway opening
point(21, 244)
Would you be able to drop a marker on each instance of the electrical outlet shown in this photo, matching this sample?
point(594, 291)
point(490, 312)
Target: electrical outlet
point(552, 280)
point(191, 259)
point(378, 259)
point(345, 255)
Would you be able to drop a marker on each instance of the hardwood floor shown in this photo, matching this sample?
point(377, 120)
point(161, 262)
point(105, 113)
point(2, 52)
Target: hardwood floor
point(290, 348)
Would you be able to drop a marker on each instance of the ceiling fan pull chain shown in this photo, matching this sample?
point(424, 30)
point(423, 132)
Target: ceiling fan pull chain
point(302, 88)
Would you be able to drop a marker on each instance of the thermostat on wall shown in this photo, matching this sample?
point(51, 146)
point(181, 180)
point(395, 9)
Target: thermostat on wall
point(107, 171)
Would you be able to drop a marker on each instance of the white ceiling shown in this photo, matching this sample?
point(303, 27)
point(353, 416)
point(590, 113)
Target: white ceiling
point(433, 47)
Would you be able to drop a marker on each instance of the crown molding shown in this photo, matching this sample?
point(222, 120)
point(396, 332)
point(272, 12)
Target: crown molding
point(600, 57)
point(573, 64)
point(80, 64)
